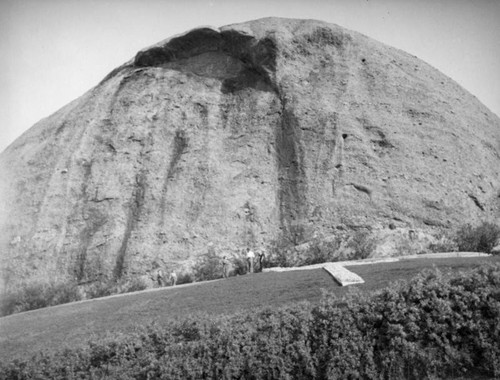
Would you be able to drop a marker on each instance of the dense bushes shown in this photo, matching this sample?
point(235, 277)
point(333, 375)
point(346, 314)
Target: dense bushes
point(110, 287)
point(315, 251)
point(444, 242)
point(207, 267)
point(433, 326)
point(362, 245)
point(37, 295)
point(134, 285)
point(481, 238)
point(320, 251)
point(185, 278)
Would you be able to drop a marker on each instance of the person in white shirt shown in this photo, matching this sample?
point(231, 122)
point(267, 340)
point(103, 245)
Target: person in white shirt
point(173, 279)
point(250, 259)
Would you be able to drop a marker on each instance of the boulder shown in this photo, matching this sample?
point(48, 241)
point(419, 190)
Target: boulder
point(259, 134)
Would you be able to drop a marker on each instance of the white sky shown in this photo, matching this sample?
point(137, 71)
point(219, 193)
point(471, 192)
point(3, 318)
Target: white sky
point(52, 51)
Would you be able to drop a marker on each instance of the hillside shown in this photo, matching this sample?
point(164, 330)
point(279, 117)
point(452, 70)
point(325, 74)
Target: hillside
point(72, 325)
point(265, 134)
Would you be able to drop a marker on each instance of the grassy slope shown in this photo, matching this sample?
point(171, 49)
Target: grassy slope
point(74, 324)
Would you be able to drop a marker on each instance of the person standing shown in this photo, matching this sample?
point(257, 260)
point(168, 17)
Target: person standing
point(159, 277)
point(225, 267)
point(262, 257)
point(173, 278)
point(250, 258)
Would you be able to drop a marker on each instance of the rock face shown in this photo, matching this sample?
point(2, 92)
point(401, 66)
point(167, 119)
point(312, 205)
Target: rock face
point(274, 130)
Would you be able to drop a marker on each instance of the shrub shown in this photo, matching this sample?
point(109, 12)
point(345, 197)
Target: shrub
point(437, 326)
point(362, 245)
point(443, 243)
point(240, 266)
point(279, 254)
point(481, 238)
point(38, 295)
point(64, 293)
point(102, 289)
point(29, 297)
point(109, 287)
point(320, 250)
point(342, 339)
point(405, 246)
point(280, 258)
point(185, 278)
point(316, 254)
point(134, 285)
point(207, 267)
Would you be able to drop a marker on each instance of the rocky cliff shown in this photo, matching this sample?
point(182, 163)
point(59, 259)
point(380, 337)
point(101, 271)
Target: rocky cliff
point(274, 130)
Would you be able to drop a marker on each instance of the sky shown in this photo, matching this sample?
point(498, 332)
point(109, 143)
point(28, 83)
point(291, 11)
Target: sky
point(53, 51)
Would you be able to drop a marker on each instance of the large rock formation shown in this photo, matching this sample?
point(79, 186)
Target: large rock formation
point(271, 130)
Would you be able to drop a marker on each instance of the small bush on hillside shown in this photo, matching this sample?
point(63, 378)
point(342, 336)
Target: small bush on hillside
point(321, 251)
point(40, 295)
point(362, 245)
point(279, 254)
point(102, 289)
point(106, 288)
point(316, 251)
point(443, 243)
point(482, 238)
point(280, 258)
point(240, 266)
point(30, 297)
point(64, 293)
point(406, 246)
point(185, 278)
point(207, 267)
point(36, 296)
point(316, 255)
point(134, 285)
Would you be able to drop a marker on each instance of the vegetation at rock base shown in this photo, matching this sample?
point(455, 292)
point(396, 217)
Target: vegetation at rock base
point(433, 326)
point(38, 295)
point(320, 251)
point(185, 278)
point(207, 267)
point(481, 238)
point(362, 245)
point(240, 266)
point(444, 243)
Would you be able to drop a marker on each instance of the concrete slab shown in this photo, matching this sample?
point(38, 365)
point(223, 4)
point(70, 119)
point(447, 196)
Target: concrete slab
point(342, 275)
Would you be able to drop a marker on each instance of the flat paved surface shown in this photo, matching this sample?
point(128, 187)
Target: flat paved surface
point(342, 275)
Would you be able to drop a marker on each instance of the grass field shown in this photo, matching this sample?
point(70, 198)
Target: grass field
point(74, 324)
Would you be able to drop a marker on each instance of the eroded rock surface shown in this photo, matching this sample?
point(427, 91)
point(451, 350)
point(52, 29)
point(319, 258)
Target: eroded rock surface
point(270, 131)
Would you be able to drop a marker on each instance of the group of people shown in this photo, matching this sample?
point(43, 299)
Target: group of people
point(250, 258)
point(226, 266)
point(162, 282)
